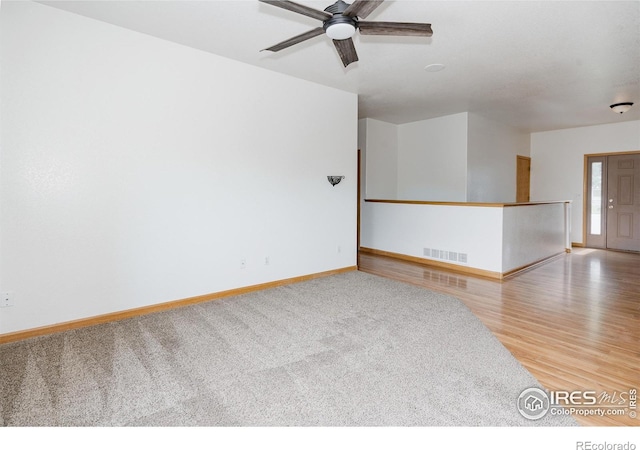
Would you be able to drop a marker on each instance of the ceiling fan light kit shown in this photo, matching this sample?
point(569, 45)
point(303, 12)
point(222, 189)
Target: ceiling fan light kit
point(340, 22)
point(621, 107)
point(340, 30)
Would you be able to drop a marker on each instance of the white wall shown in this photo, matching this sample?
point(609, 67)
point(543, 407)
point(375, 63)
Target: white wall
point(136, 171)
point(557, 162)
point(532, 233)
point(432, 159)
point(500, 239)
point(461, 157)
point(408, 229)
point(491, 159)
point(380, 144)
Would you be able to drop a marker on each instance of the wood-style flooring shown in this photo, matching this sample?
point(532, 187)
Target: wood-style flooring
point(573, 322)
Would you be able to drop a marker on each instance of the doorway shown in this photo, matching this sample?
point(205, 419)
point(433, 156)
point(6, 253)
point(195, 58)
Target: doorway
point(523, 179)
point(613, 201)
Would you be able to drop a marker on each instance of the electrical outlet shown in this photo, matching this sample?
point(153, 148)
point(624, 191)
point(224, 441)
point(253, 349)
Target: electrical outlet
point(243, 263)
point(339, 249)
point(266, 260)
point(6, 299)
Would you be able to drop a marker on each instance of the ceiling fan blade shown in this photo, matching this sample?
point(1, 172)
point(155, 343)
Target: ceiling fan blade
point(395, 28)
point(295, 40)
point(300, 9)
point(361, 8)
point(346, 50)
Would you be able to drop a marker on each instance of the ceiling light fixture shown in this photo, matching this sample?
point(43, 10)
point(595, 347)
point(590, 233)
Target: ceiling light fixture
point(621, 107)
point(340, 28)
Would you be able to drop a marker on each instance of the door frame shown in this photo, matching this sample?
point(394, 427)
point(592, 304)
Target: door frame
point(585, 191)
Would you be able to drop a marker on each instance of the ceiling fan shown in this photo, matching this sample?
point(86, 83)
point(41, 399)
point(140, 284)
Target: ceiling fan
point(340, 21)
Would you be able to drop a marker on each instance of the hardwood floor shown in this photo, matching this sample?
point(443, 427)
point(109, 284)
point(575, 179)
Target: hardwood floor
point(573, 322)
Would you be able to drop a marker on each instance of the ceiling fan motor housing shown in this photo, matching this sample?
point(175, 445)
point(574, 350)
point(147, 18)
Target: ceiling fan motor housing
point(337, 9)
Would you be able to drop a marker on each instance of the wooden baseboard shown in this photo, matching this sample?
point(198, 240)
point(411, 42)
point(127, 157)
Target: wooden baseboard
point(126, 314)
point(458, 268)
point(533, 264)
point(431, 262)
point(577, 244)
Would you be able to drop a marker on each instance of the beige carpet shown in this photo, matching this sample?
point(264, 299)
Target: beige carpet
point(348, 350)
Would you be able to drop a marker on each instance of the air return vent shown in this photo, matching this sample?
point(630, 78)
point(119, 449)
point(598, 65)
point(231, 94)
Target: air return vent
point(445, 255)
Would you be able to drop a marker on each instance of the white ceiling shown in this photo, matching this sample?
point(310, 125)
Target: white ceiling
point(535, 65)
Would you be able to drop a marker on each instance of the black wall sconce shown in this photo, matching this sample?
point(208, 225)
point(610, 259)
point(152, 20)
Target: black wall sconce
point(335, 179)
